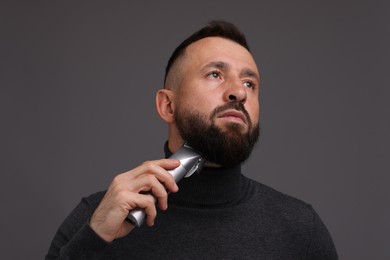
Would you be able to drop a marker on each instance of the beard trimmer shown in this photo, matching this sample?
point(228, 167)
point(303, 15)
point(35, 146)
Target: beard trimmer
point(190, 162)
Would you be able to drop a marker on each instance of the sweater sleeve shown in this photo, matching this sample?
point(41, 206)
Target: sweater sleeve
point(75, 239)
point(321, 246)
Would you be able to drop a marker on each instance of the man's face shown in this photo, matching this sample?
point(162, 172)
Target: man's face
point(217, 106)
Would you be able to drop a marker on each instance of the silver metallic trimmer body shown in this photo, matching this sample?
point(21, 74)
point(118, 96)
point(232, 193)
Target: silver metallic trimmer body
point(190, 162)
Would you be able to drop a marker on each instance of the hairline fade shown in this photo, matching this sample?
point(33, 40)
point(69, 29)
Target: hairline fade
point(217, 28)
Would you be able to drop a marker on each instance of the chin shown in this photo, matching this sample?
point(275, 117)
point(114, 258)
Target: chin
point(235, 127)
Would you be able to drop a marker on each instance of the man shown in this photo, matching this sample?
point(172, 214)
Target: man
point(211, 101)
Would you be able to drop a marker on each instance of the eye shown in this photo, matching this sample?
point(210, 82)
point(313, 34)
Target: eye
point(249, 84)
point(214, 74)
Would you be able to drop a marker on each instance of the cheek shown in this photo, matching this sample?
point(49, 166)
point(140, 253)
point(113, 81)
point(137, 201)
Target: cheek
point(189, 103)
point(198, 101)
point(254, 112)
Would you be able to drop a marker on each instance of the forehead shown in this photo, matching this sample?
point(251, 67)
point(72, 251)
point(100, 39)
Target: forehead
point(212, 49)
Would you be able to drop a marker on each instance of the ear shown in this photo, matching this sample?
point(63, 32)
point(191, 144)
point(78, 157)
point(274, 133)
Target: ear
point(165, 105)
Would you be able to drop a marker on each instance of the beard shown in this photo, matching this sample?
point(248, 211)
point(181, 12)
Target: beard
point(227, 148)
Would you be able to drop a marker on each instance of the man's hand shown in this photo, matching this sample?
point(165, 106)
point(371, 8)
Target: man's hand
point(128, 191)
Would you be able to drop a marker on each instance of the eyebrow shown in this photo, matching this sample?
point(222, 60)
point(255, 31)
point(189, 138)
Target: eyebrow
point(216, 64)
point(225, 66)
point(250, 73)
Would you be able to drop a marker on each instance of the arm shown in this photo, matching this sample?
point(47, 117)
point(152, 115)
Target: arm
point(78, 238)
point(74, 238)
point(321, 244)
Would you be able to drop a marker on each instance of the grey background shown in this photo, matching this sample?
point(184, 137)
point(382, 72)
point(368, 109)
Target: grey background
point(78, 81)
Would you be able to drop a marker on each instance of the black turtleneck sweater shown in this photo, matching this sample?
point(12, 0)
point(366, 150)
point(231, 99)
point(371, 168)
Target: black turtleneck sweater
point(217, 214)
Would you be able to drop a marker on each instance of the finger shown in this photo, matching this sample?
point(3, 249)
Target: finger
point(159, 170)
point(167, 164)
point(146, 202)
point(167, 179)
point(151, 185)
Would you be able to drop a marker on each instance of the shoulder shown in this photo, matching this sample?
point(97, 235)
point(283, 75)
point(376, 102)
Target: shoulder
point(274, 202)
point(291, 218)
point(282, 211)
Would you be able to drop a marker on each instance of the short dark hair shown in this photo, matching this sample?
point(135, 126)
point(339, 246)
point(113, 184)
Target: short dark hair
point(218, 28)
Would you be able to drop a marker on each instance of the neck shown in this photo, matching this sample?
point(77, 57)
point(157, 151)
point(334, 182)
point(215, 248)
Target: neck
point(212, 186)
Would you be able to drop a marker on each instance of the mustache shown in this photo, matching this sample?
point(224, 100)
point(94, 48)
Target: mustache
point(236, 106)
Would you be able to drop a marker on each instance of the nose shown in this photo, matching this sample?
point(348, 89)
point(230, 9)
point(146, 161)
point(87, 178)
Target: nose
point(235, 92)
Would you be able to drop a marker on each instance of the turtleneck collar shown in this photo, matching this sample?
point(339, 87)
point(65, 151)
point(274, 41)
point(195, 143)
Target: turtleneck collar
point(216, 187)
